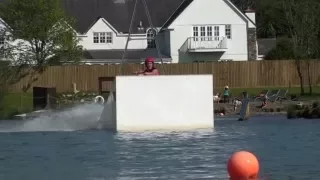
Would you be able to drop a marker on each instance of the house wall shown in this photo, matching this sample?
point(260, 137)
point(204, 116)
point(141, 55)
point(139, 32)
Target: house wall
point(167, 37)
point(163, 39)
point(208, 12)
point(119, 41)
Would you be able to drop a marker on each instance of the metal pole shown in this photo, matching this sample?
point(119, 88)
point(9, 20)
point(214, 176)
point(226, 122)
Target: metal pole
point(151, 25)
point(129, 35)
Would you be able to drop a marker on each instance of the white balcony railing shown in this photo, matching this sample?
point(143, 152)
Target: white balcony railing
point(207, 43)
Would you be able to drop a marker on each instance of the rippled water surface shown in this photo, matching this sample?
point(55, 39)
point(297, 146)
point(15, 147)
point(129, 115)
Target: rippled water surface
point(287, 149)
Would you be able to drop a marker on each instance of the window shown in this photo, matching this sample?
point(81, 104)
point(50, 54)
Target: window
point(216, 33)
point(228, 31)
point(203, 33)
point(151, 34)
point(109, 37)
point(209, 33)
point(102, 37)
point(195, 33)
point(95, 37)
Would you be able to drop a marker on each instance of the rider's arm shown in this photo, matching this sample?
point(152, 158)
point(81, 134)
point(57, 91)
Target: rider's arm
point(138, 72)
point(154, 72)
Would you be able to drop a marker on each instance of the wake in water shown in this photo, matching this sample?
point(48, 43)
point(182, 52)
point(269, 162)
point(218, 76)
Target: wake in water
point(80, 117)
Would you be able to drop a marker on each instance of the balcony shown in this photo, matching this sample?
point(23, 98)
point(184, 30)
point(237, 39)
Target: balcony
point(207, 44)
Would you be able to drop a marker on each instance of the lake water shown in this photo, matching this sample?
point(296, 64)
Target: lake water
point(286, 149)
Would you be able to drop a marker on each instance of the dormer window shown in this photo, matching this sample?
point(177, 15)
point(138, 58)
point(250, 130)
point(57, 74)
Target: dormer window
point(151, 34)
point(102, 37)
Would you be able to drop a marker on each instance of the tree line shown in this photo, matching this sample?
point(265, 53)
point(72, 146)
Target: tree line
point(42, 36)
point(296, 26)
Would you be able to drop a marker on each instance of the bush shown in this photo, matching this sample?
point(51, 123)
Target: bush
point(315, 104)
point(282, 51)
point(306, 113)
point(315, 113)
point(292, 112)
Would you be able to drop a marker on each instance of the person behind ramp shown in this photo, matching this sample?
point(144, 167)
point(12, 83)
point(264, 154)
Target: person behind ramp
point(150, 68)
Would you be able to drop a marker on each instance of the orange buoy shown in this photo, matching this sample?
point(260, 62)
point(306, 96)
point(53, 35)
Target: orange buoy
point(243, 165)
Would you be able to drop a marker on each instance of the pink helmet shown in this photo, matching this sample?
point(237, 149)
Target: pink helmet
point(149, 59)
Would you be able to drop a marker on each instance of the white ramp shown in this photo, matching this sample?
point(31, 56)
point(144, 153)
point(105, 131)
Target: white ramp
point(145, 103)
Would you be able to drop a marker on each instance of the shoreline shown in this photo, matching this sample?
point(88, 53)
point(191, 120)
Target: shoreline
point(255, 114)
point(226, 109)
point(271, 109)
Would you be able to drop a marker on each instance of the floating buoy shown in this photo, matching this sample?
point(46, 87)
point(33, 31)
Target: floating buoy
point(98, 99)
point(243, 165)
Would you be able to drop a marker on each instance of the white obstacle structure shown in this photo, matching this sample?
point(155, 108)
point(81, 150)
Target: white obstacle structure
point(144, 103)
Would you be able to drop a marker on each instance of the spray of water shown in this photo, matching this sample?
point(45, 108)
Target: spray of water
point(80, 117)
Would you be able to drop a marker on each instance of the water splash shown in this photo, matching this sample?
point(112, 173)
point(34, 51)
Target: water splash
point(107, 119)
point(80, 117)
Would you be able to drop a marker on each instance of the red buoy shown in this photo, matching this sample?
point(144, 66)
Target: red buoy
point(243, 165)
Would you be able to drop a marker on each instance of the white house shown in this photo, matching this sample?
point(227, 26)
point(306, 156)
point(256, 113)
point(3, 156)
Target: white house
point(185, 30)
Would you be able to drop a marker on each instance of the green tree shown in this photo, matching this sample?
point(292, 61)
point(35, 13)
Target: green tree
point(39, 35)
point(267, 16)
point(269, 23)
point(282, 51)
point(303, 27)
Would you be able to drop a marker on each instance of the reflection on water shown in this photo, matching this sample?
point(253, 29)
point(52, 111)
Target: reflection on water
point(284, 148)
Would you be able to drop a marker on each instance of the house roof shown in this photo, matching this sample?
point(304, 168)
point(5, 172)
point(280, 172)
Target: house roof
point(265, 45)
point(132, 56)
point(186, 3)
point(119, 12)
point(177, 12)
point(2, 22)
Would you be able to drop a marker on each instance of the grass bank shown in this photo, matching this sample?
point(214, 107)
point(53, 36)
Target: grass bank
point(292, 91)
point(15, 103)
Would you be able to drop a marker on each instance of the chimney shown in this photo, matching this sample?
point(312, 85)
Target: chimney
point(252, 36)
point(251, 14)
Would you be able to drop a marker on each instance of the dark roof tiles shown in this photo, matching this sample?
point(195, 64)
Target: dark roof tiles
point(119, 12)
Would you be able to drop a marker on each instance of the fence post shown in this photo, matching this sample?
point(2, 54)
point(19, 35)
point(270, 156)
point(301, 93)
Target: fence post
point(48, 102)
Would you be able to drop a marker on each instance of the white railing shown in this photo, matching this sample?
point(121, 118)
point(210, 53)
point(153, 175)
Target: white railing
point(198, 43)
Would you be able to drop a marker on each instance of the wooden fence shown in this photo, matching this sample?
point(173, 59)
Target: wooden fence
point(235, 74)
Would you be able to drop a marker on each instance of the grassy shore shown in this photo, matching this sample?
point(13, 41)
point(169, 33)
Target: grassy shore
point(272, 107)
point(292, 91)
point(15, 103)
